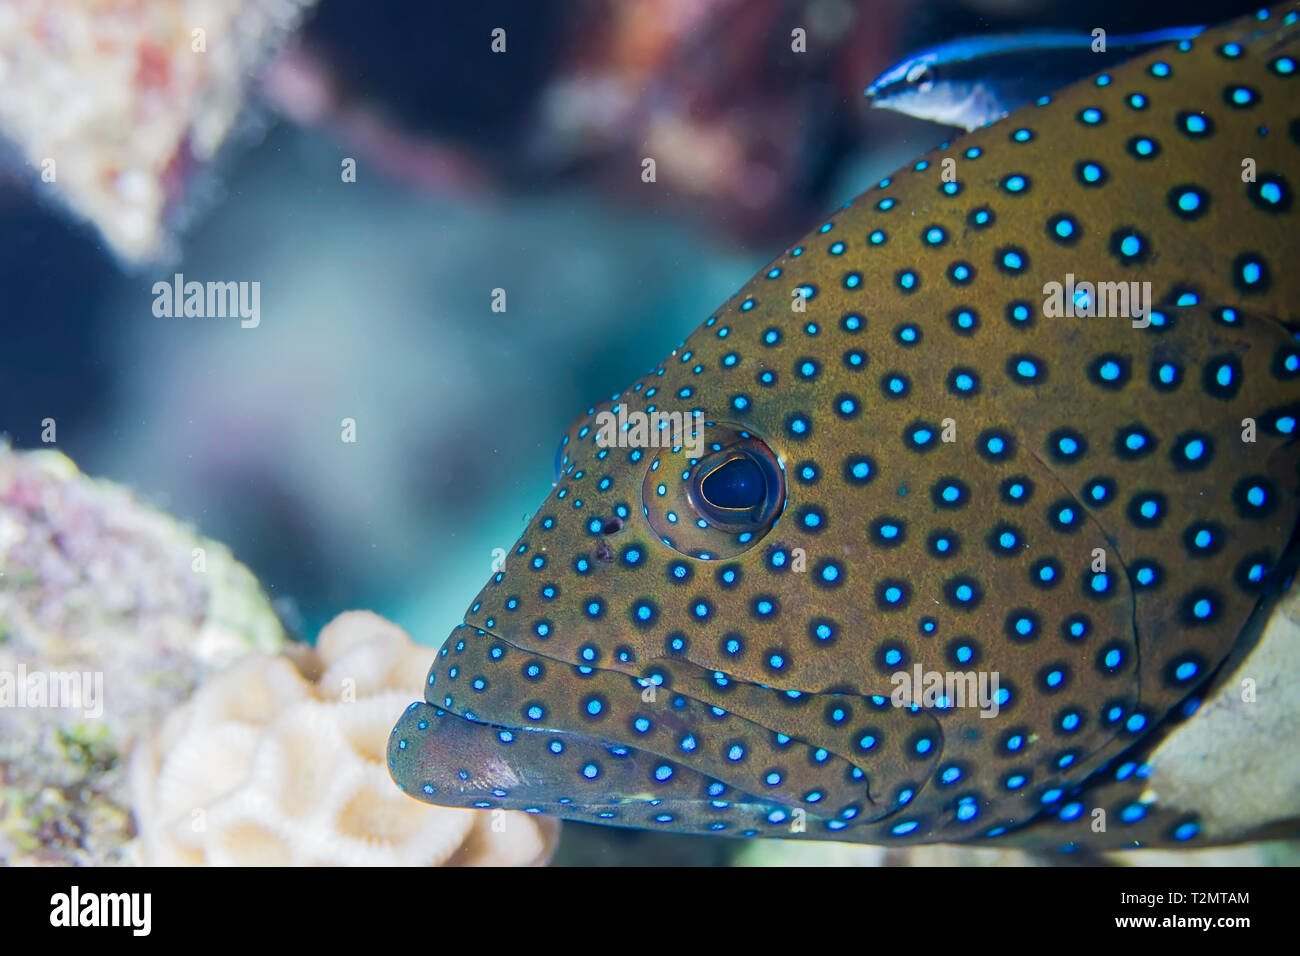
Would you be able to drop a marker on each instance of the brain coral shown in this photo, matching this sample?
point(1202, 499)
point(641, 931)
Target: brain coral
point(279, 760)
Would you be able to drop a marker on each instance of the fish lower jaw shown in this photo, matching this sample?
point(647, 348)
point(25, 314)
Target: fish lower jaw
point(441, 758)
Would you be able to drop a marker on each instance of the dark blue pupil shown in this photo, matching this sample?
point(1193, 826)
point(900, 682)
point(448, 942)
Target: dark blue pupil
point(737, 485)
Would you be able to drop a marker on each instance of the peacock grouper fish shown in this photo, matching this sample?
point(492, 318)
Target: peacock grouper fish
point(960, 532)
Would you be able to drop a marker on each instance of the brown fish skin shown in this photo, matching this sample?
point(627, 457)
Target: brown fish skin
point(771, 714)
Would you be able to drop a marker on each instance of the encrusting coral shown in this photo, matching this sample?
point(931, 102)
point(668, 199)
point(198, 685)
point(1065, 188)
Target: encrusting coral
point(279, 760)
point(111, 612)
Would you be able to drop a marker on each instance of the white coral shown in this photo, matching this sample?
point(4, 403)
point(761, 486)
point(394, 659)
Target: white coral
point(279, 760)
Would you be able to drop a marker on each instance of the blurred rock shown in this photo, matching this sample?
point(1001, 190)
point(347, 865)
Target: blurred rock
point(1244, 733)
point(114, 104)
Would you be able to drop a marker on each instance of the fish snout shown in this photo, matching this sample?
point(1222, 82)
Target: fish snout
point(443, 759)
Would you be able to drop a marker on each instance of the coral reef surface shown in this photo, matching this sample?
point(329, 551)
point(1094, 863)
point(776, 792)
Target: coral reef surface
point(111, 612)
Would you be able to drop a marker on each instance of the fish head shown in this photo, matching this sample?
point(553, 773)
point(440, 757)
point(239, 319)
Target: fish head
point(664, 642)
point(929, 88)
point(914, 74)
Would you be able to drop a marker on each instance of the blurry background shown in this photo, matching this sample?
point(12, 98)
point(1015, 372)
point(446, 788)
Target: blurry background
point(475, 171)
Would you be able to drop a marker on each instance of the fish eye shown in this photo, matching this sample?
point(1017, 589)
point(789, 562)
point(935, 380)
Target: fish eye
point(921, 77)
point(731, 491)
point(738, 488)
point(716, 500)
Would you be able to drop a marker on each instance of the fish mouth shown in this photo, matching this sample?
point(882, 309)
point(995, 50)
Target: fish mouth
point(449, 755)
point(448, 760)
point(482, 739)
